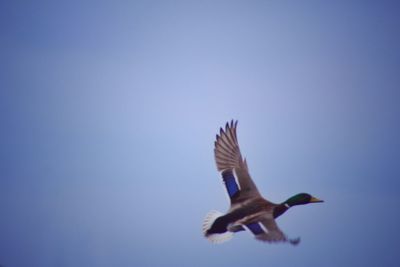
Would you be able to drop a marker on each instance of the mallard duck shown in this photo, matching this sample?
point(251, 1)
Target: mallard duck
point(248, 209)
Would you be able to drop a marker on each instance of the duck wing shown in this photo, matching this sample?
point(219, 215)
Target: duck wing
point(234, 169)
point(268, 231)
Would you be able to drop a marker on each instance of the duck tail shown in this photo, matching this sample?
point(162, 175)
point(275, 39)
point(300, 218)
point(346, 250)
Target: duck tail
point(207, 225)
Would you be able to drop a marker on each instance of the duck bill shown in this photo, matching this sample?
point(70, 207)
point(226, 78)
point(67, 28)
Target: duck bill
point(315, 200)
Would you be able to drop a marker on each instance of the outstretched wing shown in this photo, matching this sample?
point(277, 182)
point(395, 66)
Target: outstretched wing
point(234, 169)
point(268, 231)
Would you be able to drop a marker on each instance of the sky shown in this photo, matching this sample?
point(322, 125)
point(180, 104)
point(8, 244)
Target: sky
point(109, 111)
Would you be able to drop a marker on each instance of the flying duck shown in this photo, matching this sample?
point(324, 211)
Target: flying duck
point(248, 209)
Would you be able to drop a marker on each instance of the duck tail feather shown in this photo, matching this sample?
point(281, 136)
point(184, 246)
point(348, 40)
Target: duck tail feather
point(215, 238)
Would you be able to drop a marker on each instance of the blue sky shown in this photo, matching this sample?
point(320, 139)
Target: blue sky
point(109, 111)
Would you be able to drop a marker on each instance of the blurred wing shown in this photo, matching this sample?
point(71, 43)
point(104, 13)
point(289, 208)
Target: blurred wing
point(234, 170)
point(268, 231)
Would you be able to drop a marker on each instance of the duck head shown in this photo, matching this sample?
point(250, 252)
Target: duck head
point(301, 199)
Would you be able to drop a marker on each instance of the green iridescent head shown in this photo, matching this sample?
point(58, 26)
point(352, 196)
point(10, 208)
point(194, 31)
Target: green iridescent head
point(301, 199)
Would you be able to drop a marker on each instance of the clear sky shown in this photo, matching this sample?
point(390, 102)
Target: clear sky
point(109, 110)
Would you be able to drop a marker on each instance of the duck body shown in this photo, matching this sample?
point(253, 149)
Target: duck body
point(243, 214)
point(248, 209)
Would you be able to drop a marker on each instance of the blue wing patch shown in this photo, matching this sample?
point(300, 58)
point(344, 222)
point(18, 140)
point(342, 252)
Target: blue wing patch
point(255, 228)
point(230, 183)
